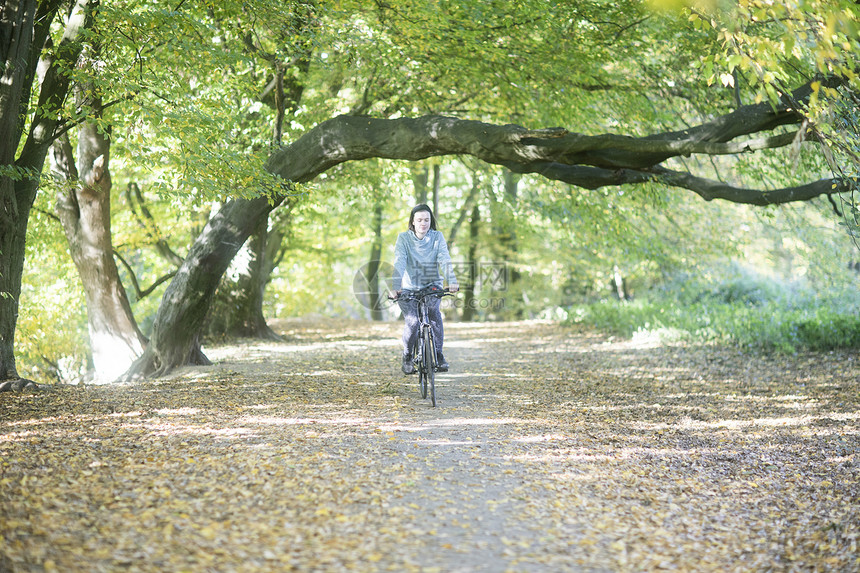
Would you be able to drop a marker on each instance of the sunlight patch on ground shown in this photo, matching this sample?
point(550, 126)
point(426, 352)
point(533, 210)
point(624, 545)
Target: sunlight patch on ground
point(132, 414)
point(36, 421)
point(688, 423)
point(541, 438)
point(647, 339)
point(471, 326)
point(177, 411)
point(450, 423)
point(792, 400)
point(317, 373)
point(579, 454)
point(478, 342)
point(18, 436)
point(267, 350)
point(276, 421)
point(446, 442)
point(162, 429)
point(469, 375)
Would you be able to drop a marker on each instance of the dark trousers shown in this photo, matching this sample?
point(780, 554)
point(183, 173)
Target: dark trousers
point(410, 326)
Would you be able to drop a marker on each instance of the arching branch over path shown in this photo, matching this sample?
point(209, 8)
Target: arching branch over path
point(588, 161)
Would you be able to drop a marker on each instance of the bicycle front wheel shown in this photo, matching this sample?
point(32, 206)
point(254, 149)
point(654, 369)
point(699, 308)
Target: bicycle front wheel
point(430, 367)
point(422, 372)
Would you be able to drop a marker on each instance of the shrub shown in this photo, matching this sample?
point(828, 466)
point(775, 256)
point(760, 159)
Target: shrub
point(742, 309)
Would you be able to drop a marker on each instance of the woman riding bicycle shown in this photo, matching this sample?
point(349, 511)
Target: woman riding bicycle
point(418, 255)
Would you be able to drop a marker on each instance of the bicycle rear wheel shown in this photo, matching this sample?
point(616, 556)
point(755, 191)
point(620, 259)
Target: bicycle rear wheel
point(430, 367)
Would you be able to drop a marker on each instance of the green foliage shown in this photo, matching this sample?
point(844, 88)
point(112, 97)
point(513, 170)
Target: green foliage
point(16, 173)
point(745, 309)
point(765, 44)
point(51, 335)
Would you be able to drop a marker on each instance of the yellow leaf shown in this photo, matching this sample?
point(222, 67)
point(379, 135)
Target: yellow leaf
point(208, 532)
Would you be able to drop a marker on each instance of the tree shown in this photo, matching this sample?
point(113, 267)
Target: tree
point(470, 303)
point(240, 301)
point(83, 204)
point(26, 26)
point(373, 266)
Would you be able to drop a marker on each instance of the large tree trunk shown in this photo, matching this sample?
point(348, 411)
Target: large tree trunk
point(238, 305)
point(13, 230)
point(84, 209)
point(510, 249)
point(252, 284)
point(17, 29)
point(183, 307)
point(24, 27)
point(373, 263)
point(470, 304)
point(421, 183)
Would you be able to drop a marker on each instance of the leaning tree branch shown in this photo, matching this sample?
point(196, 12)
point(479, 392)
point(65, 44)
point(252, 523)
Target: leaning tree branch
point(588, 161)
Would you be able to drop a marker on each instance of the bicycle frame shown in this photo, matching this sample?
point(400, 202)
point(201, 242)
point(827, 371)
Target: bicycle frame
point(424, 352)
point(425, 331)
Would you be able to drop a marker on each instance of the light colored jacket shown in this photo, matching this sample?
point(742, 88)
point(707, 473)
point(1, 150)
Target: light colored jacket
point(417, 262)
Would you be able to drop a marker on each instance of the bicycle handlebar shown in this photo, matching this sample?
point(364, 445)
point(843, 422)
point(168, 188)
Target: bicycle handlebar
point(416, 295)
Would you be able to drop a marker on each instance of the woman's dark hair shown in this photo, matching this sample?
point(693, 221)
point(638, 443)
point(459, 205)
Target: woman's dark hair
point(418, 209)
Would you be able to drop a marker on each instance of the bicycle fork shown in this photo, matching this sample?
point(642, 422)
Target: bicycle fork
point(432, 346)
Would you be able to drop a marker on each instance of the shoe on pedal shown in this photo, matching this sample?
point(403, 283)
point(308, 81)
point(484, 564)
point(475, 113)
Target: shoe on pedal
point(407, 367)
point(441, 363)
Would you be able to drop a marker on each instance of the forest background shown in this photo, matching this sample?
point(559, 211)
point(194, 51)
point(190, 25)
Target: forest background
point(153, 119)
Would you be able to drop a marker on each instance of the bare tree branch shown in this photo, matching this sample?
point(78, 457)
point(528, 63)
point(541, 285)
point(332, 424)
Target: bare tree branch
point(149, 225)
point(142, 293)
point(710, 190)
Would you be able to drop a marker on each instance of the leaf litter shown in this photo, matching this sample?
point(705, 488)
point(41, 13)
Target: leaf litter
point(552, 449)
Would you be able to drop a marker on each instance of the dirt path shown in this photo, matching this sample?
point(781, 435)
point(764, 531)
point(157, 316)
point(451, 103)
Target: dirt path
point(551, 450)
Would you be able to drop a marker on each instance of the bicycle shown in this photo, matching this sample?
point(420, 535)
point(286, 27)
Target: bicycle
point(424, 352)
